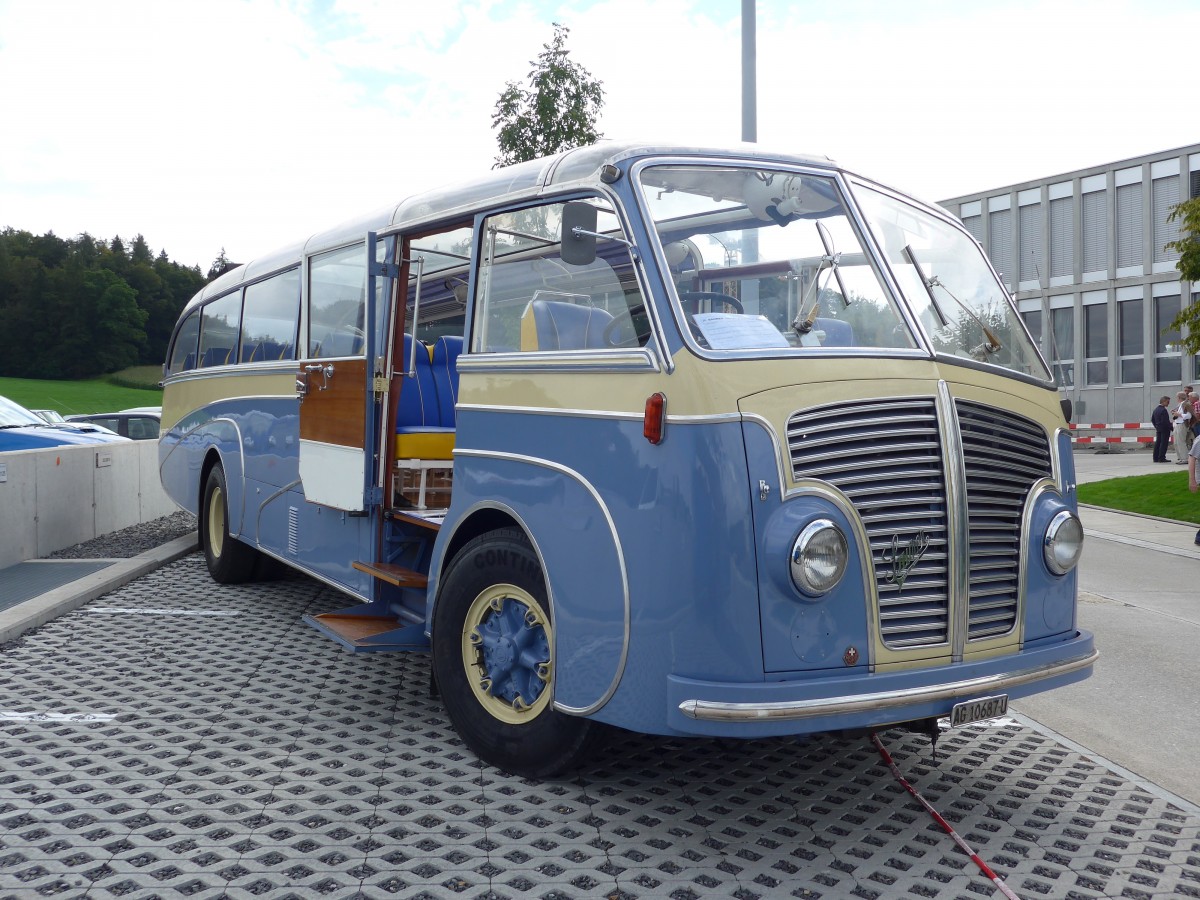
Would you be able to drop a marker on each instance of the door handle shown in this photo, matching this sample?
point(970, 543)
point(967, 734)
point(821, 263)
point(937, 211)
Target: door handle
point(325, 370)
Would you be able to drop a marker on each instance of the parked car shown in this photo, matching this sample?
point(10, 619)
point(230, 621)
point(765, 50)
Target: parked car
point(20, 429)
point(53, 416)
point(139, 423)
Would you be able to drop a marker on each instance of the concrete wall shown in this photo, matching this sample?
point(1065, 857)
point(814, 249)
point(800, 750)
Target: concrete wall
point(51, 499)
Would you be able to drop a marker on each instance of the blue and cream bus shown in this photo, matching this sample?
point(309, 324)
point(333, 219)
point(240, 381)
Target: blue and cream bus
point(685, 441)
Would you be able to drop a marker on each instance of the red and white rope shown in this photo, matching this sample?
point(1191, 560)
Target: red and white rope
point(937, 817)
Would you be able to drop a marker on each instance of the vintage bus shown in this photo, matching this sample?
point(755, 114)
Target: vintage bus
point(681, 440)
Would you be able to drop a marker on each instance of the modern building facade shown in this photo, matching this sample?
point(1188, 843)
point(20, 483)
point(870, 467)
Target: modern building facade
point(1084, 255)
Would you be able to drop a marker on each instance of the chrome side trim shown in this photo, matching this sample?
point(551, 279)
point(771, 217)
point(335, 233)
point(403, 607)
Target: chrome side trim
point(589, 360)
point(714, 419)
point(612, 527)
point(713, 711)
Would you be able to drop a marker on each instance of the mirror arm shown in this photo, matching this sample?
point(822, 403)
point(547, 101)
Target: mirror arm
point(579, 231)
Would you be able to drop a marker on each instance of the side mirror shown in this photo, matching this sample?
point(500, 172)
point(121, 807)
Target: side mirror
point(578, 234)
point(1066, 408)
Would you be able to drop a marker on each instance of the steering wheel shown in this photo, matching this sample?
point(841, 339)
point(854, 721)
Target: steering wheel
point(611, 335)
point(695, 298)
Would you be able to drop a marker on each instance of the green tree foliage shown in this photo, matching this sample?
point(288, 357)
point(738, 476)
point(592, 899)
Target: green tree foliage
point(1187, 214)
point(556, 111)
point(81, 307)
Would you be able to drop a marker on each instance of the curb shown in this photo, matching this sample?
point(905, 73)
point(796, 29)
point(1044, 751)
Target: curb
point(40, 610)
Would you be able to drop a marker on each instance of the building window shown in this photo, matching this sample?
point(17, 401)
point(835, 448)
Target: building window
point(1167, 361)
point(1195, 184)
point(1000, 243)
point(1030, 263)
point(1095, 232)
point(1062, 238)
point(1062, 328)
point(974, 224)
point(1129, 225)
point(1130, 340)
point(1165, 198)
point(1095, 343)
point(1033, 321)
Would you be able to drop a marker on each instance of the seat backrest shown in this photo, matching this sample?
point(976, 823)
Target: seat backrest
point(418, 395)
point(215, 356)
point(446, 351)
point(555, 325)
point(837, 332)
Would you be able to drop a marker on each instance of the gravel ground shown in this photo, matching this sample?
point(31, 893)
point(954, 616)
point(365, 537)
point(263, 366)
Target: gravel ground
point(132, 540)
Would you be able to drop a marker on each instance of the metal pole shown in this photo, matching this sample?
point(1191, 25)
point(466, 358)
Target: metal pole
point(749, 75)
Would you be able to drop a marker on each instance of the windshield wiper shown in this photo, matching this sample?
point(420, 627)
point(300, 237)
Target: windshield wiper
point(991, 343)
point(803, 324)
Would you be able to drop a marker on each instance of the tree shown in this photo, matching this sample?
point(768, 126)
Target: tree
point(556, 111)
point(1188, 248)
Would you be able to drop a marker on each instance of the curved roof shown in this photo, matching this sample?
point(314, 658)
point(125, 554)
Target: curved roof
point(580, 165)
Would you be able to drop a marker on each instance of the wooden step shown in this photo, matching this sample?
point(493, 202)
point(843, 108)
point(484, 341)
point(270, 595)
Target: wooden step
point(369, 633)
point(397, 575)
point(424, 518)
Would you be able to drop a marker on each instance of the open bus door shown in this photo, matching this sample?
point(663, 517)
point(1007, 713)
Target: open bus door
point(339, 424)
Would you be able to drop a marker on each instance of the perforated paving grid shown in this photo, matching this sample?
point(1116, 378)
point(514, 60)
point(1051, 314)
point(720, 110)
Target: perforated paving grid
point(234, 751)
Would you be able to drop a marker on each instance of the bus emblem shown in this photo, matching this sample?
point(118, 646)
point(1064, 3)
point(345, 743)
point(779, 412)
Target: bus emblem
point(904, 558)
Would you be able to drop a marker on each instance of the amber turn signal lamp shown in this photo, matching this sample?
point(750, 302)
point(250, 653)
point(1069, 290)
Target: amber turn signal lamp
point(655, 421)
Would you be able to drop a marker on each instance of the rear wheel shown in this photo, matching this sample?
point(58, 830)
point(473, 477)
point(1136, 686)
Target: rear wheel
point(493, 657)
point(229, 560)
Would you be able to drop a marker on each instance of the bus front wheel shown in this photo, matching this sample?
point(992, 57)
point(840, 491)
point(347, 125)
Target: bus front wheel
point(229, 560)
point(493, 658)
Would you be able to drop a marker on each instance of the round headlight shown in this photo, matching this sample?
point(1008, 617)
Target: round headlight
point(1064, 542)
point(819, 557)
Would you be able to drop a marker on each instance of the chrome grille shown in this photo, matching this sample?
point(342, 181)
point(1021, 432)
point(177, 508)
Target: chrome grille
point(1003, 455)
point(885, 456)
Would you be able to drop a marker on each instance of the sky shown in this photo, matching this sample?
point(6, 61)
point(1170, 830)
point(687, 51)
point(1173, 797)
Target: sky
point(243, 125)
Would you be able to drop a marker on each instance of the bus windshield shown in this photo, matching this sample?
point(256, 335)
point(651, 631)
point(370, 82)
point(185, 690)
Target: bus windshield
point(764, 259)
point(948, 283)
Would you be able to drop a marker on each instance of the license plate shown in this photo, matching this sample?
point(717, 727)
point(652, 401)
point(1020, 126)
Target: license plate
point(977, 710)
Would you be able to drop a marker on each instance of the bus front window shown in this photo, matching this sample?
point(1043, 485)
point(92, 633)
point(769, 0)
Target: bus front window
point(946, 280)
point(765, 259)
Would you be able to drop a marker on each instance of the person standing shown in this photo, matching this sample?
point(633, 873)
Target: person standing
point(1192, 486)
point(1181, 416)
point(1161, 420)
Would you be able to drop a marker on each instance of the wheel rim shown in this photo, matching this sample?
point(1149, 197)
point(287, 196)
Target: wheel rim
point(506, 650)
point(216, 522)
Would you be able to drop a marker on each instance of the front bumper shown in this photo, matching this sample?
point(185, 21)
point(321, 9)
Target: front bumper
point(875, 700)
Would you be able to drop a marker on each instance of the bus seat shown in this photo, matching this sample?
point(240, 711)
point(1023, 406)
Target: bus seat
point(342, 343)
point(263, 351)
point(555, 325)
point(446, 351)
point(420, 431)
point(215, 356)
point(837, 332)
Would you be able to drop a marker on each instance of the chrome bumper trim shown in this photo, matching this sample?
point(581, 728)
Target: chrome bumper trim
point(714, 711)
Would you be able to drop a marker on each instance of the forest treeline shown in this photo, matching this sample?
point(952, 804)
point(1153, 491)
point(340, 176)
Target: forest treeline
point(72, 308)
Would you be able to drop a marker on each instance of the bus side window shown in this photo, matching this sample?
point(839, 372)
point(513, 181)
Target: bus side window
point(220, 324)
point(183, 351)
point(337, 300)
point(529, 300)
point(269, 318)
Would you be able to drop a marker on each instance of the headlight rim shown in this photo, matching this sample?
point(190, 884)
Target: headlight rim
point(1051, 540)
point(803, 542)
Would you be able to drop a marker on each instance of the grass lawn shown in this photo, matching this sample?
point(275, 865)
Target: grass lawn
point(1165, 494)
point(132, 387)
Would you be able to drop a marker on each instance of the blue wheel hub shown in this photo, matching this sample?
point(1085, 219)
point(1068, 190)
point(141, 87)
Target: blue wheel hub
point(514, 651)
